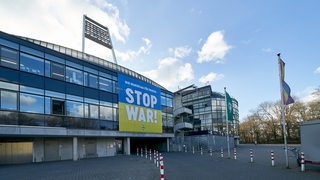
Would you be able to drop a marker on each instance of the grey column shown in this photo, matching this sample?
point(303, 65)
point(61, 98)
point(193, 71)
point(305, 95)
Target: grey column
point(168, 145)
point(75, 148)
point(127, 146)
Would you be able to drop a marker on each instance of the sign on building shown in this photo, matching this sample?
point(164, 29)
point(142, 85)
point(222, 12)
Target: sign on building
point(139, 106)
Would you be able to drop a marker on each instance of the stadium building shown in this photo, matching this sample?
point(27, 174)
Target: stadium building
point(200, 119)
point(61, 104)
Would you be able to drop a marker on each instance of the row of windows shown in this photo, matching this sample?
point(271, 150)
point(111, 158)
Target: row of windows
point(57, 68)
point(60, 69)
point(40, 101)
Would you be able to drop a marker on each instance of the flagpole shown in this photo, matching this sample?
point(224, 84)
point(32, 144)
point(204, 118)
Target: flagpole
point(283, 111)
point(227, 123)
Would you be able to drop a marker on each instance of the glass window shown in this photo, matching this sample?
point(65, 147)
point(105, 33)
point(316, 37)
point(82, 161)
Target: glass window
point(9, 58)
point(93, 81)
point(8, 100)
point(31, 64)
point(94, 111)
point(47, 105)
point(105, 113)
point(74, 76)
point(54, 58)
point(31, 90)
point(47, 68)
point(31, 103)
point(31, 51)
point(57, 71)
point(55, 94)
point(105, 84)
point(5, 85)
point(58, 107)
point(74, 109)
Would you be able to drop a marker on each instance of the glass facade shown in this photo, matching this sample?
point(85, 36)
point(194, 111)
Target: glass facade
point(208, 110)
point(45, 87)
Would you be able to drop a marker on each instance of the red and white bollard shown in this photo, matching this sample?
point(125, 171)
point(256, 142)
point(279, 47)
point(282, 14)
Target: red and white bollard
point(137, 151)
point(141, 152)
point(235, 153)
point(157, 159)
point(272, 158)
point(221, 152)
point(251, 155)
point(150, 154)
point(302, 162)
point(154, 157)
point(161, 168)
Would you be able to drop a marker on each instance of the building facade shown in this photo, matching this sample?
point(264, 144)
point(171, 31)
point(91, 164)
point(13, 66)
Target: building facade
point(201, 111)
point(58, 104)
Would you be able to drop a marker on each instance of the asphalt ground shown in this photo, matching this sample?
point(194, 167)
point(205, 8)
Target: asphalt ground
point(177, 166)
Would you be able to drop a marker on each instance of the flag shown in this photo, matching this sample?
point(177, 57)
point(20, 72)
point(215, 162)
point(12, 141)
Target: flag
point(229, 107)
point(286, 97)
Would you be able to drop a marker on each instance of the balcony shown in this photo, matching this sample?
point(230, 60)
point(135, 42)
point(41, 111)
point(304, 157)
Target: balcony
point(182, 110)
point(182, 126)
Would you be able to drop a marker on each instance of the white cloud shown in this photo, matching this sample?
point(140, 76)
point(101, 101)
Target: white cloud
point(317, 71)
point(59, 22)
point(171, 72)
point(27, 100)
point(267, 50)
point(211, 77)
point(214, 49)
point(307, 94)
point(181, 52)
point(131, 54)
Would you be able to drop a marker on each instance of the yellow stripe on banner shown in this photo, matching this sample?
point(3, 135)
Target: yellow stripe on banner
point(134, 118)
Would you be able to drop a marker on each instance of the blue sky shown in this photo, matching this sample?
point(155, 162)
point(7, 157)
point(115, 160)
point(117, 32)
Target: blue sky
point(228, 43)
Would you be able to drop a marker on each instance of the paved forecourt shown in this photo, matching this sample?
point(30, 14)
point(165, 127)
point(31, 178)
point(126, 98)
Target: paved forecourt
point(177, 165)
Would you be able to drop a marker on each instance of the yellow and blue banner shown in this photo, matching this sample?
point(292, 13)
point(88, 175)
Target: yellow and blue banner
point(139, 106)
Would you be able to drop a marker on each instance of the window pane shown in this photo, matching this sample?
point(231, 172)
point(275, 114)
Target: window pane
point(9, 58)
point(75, 109)
point(93, 81)
point(94, 111)
point(8, 100)
point(47, 68)
point(31, 90)
point(5, 85)
point(31, 103)
point(57, 71)
point(105, 113)
point(74, 76)
point(31, 64)
point(105, 84)
point(58, 107)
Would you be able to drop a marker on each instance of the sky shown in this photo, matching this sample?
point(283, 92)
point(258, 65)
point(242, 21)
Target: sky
point(231, 43)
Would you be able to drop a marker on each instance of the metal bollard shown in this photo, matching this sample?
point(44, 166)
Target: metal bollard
point(192, 149)
point(302, 162)
point(146, 153)
point(150, 154)
point(157, 159)
point(221, 152)
point(272, 158)
point(137, 151)
point(251, 155)
point(235, 153)
point(154, 157)
point(141, 152)
point(210, 152)
point(201, 150)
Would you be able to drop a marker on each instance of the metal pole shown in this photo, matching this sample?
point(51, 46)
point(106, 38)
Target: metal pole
point(227, 123)
point(283, 114)
point(83, 31)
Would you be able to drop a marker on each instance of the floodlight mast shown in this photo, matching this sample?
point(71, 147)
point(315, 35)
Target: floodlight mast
point(97, 33)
